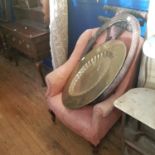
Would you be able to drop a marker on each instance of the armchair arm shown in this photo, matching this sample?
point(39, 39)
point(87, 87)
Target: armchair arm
point(56, 79)
point(105, 107)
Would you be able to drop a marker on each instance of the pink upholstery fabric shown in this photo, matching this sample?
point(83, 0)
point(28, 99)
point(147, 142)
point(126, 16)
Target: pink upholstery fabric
point(90, 122)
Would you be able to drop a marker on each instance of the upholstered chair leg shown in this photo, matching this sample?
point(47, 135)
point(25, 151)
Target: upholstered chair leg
point(53, 117)
point(95, 149)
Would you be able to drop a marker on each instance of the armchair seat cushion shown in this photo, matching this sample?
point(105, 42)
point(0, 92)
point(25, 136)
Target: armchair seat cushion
point(86, 124)
point(90, 122)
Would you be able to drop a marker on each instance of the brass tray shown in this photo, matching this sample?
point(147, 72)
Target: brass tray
point(94, 73)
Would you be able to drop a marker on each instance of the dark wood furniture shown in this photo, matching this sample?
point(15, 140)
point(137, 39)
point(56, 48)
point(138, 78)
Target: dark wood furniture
point(32, 42)
point(28, 33)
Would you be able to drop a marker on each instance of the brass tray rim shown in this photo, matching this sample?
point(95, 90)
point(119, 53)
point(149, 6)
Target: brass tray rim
point(72, 99)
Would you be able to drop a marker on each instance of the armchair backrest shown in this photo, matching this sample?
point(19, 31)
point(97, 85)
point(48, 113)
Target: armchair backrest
point(59, 76)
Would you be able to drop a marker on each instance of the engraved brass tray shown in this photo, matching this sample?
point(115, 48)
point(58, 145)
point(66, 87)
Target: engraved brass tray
point(94, 73)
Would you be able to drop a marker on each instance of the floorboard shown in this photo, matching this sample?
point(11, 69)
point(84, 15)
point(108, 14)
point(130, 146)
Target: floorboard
point(25, 124)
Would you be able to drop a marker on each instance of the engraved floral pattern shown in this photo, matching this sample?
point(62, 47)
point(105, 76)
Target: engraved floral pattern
point(58, 31)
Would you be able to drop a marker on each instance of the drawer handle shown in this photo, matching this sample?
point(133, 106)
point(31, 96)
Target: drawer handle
point(20, 42)
point(13, 39)
point(27, 45)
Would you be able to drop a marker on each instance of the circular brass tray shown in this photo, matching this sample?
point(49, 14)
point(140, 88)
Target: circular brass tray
point(94, 73)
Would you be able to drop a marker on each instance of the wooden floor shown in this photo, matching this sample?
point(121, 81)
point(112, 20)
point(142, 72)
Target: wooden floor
point(25, 124)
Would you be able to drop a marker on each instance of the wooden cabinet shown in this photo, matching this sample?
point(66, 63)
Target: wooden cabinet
point(28, 33)
point(32, 42)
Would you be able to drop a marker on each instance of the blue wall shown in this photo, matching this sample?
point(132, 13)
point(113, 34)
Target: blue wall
point(83, 14)
point(9, 9)
point(131, 4)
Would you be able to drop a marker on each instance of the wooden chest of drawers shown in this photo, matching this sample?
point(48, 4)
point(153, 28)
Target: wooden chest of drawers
point(33, 42)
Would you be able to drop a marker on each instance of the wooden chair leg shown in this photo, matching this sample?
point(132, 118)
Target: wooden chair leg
point(53, 117)
point(14, 55)
point(39, 69)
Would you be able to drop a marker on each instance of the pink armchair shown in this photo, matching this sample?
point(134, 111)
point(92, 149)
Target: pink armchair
point(90, 122)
